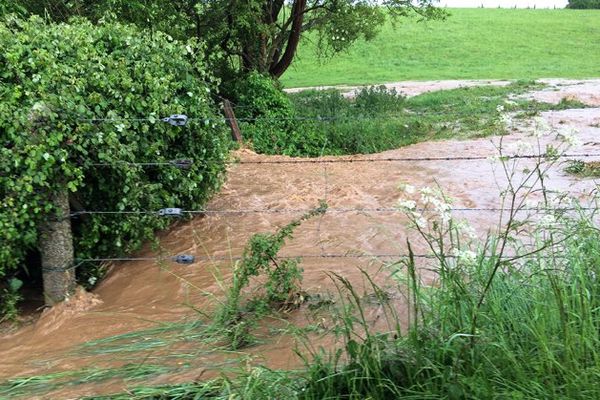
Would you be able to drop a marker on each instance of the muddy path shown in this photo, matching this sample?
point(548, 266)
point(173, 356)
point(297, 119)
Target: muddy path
point(139, 294)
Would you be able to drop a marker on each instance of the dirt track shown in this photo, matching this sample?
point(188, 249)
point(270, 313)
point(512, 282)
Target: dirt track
point(138, 293)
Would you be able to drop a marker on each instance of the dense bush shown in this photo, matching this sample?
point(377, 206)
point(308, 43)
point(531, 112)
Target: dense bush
point(584, 4)
point(367, 123)
point(269, 119)
point(312, 123)
point(54, 79)
point(375, 119)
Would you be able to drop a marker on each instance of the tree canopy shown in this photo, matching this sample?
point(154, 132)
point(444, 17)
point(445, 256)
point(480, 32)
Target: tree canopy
point(248, 35)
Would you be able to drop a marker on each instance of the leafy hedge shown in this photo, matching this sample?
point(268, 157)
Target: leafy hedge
point(313, 123)
point(54, 78)
point(269, 119)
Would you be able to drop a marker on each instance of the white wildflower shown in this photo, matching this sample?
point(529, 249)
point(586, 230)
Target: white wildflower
point(445, 216)
point(521, 147)
point(406, 188)
point(546, 221)
point(440, 206)
point(427, 195)
point(464, 256)
point(569, 136)
point(469, 232)
point(426, 190)
point(421, 222)
point(500, 108)
point(407, 204)
point(425, 199)
point(507, 120)
point(541, 127)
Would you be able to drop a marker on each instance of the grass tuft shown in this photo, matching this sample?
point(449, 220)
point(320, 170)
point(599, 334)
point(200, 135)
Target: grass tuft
point(584, 169)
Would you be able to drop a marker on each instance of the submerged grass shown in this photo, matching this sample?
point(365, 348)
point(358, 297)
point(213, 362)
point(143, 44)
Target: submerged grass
point(260, 383)
point(42, 384)
point(536, 335)
point(584, 169)
point(166, 334)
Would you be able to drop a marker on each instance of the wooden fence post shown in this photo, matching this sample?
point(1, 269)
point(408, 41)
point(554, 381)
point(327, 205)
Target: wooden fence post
point(236, 134)
point(56, 250)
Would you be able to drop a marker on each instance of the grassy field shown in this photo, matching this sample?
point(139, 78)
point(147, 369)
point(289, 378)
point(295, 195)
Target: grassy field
point(470, 44)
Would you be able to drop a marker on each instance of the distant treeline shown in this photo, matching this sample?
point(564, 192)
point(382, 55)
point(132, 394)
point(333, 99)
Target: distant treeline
point(584, 4)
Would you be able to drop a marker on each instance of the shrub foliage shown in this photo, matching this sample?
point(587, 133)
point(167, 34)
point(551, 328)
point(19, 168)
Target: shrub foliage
point(312, 122)
point(75, 95)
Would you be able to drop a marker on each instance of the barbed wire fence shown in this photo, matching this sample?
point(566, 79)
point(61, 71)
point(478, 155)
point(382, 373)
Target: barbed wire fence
point(70, 263)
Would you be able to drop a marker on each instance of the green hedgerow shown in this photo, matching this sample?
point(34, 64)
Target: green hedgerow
point(55, 79)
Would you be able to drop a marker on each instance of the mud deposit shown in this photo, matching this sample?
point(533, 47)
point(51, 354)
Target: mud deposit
point(142, 295)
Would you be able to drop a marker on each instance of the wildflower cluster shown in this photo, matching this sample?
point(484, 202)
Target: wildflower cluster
point(429, 212)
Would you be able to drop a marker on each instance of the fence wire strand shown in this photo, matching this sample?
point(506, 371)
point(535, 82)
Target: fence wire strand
point(325, 162)
point(339, 160)
point(198, 259)
point(329, 210)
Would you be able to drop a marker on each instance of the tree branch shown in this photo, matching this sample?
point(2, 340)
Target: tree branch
point(298, 11)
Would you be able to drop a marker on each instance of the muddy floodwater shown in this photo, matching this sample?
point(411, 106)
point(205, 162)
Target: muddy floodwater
point(139, 294)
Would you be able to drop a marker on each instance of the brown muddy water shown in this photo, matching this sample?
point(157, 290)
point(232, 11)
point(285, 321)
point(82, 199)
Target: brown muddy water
point(139, 295)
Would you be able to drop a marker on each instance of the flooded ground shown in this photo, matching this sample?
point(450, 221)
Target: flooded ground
point(413, 88)
point(139, 294)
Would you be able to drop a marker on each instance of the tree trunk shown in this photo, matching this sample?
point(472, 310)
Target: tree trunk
point(56, 249)
point(279, 67)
